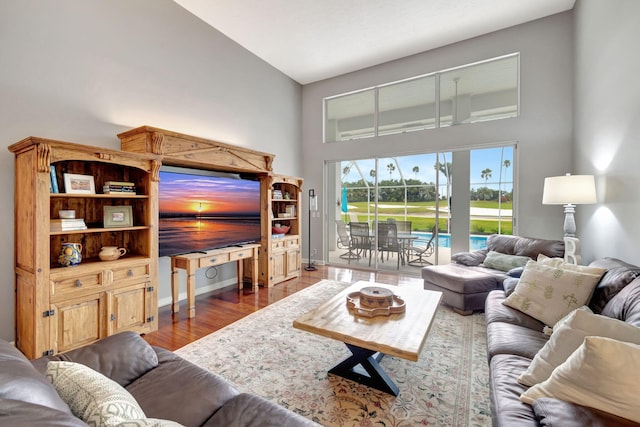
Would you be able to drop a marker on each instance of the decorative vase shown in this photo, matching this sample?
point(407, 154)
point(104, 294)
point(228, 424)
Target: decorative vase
point(111, 253)
point(70, 254)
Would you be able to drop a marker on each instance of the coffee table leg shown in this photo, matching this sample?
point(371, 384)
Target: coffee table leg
point(373, 375)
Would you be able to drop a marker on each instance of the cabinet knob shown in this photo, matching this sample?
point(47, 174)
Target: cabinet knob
point(78, 283)
point(213, 259)
point(130, 273)
point(113, 316)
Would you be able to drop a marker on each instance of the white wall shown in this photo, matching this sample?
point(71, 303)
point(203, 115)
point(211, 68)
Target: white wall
point(607, 125)
point(543, 130)
point(85, 70)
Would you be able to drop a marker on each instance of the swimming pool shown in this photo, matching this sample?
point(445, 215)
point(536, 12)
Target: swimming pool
point(444, 240)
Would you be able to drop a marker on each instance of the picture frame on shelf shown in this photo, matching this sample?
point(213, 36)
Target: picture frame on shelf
point(79, 184)
point(118, 216)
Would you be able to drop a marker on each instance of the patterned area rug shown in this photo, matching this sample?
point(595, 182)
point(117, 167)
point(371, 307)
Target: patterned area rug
point(263, 354)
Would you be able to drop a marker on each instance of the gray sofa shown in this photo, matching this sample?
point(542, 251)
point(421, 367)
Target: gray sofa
point(164, 385)
point(514, 338)
point(466, 282)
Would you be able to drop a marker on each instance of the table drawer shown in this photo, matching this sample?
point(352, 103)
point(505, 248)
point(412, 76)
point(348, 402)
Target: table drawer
point(241, 254)
point(134, 273)
point(214, 259)
point(85, 282)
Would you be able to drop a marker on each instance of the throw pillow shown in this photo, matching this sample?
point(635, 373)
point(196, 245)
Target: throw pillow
point(548, 331)
point(504, 262)
point(566, 338)
point(95, 399)
point(602, 373)
point(548, 293)
point(470, 259)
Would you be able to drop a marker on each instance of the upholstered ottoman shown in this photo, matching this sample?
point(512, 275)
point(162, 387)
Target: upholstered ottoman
point(463, 288)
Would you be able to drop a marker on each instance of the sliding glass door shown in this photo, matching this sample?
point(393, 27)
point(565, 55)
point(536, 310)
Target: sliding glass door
point(406, 206)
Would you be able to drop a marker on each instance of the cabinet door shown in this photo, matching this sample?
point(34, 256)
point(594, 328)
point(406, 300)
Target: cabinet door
point(278, 261)
point(293, 262)
point(79, 322)
point(130, 309)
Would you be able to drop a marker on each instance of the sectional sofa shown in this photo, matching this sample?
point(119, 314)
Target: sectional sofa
point(160, 389)
point(515, 340)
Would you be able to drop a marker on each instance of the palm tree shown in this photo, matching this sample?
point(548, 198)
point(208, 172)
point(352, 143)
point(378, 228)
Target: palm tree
point(391, 167)
point(372, 173)
point(485, 174)
point(416, 170)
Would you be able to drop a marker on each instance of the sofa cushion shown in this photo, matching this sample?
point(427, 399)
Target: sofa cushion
point(161, 391)
point(568, 337)
point(505, 338)
point(525, 246)
point(625, 305)
point(122, 357)
point(504, 262)
point(506, 408)
point(20, 381)
point(619, 274)
point(552, 412)
point(249, 410)
point(495, 311)
point(548, 293)
point(19, 413)
point(602, 373)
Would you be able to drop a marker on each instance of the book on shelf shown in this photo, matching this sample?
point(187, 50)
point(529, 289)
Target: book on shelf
point(54, 181)
point(277, 194)
point(120, 183)
point(67, 224)
point(118, 189)
point(277, 235)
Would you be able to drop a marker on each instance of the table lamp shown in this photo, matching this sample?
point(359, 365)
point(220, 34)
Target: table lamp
point(569, 190)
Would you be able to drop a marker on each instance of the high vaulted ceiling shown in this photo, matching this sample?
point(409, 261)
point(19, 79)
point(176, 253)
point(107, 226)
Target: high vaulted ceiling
point(311, 40)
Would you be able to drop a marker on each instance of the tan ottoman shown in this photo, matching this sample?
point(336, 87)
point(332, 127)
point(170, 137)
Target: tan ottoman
point(463, 288)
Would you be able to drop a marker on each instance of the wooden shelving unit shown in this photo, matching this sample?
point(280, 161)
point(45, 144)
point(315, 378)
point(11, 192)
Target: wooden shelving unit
point(280, 204)
point(61, 308)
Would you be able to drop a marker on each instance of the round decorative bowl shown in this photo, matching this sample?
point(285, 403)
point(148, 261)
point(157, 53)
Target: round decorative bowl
point(283, 229)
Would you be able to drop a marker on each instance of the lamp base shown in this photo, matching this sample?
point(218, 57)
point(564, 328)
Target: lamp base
point(310, 267)
point(569, 220)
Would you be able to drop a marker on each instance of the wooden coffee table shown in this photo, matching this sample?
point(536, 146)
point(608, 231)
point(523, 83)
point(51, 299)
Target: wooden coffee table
point(370, 338)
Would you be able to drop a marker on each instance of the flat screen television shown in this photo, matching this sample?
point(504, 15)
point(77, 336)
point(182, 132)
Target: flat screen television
point(201, 210)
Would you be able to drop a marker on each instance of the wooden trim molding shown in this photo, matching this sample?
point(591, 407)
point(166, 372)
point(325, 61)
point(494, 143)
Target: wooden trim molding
point(178, 149)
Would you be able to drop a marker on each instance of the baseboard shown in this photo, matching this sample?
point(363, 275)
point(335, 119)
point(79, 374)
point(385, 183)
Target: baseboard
point(199, 291)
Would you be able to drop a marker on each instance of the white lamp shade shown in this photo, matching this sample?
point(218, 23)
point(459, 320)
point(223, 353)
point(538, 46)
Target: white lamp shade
point(569, 189)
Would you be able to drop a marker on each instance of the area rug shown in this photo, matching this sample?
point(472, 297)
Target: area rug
point(263, 354)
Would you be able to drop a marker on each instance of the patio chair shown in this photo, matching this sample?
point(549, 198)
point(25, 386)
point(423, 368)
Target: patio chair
point(360, 239)
point(344, 241)
point(420, 250)
point(388, 240)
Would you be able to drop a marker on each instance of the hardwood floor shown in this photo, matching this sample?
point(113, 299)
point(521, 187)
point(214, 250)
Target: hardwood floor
point(220, 308)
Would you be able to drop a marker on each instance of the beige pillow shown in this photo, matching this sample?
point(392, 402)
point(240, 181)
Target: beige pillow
point(602, 373)
point(548, 330)
point(549, 292)
point(96, 399)
point(567, 337)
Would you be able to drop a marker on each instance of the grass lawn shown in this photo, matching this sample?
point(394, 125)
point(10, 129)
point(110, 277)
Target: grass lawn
point(417, 212)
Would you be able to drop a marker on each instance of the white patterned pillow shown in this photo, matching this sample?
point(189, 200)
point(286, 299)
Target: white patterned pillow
point(550, 292)
point(97, 400)
point(602, 373)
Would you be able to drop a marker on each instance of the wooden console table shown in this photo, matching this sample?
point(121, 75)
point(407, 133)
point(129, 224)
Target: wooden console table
point(193, 261)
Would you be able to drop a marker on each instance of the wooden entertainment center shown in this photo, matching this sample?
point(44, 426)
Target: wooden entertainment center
point(60, 308)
